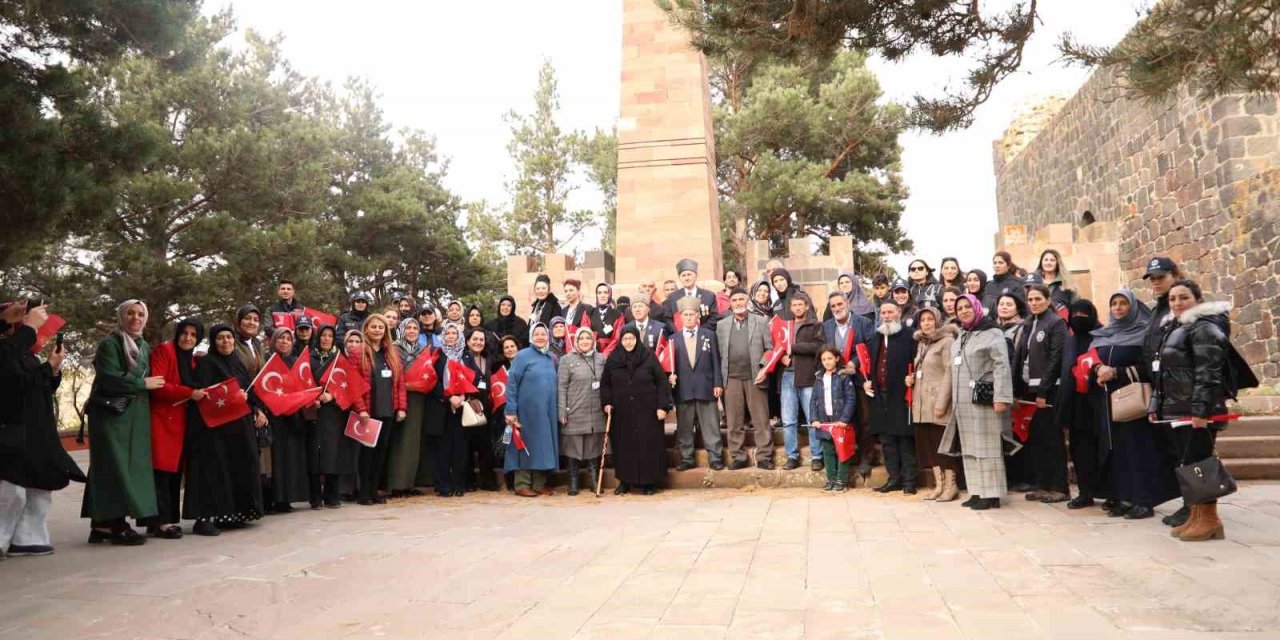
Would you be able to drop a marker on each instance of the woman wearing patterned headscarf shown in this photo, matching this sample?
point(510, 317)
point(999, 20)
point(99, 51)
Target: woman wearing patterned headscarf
point(120, 479)
point(976, 429)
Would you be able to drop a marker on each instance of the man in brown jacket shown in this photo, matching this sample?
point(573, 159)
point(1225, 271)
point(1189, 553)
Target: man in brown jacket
point(801, 366)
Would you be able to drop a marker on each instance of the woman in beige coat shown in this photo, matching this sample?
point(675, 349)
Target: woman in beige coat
point(931, 400)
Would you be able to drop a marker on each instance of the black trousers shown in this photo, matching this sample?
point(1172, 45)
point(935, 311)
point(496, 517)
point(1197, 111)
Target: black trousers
point(324, 488)
point(1092, 478)
point(900, 459)
point(168, 494)
point(451, 457)
point(1048, 451)
point(373, 460)
point(480, 448)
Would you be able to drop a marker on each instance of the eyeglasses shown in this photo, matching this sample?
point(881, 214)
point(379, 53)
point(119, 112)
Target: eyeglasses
point(917, 268)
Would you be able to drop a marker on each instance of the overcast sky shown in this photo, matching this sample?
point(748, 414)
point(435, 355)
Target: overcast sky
point(454, 68)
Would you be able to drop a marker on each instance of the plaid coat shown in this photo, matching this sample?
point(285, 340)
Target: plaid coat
point(978, 427)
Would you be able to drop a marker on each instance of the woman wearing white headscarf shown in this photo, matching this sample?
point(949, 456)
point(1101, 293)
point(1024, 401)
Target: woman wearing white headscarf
point(120, 480)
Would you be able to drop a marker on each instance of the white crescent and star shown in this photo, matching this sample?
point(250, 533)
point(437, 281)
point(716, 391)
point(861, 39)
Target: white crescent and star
point(334, 377)
point(500, 388)
point(267, 386)
point(306, 377)
point(358, 429)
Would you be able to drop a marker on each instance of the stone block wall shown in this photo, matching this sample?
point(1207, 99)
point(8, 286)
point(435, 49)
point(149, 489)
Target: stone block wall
point(1191, 179)
point(816, 274)
point(596, 267)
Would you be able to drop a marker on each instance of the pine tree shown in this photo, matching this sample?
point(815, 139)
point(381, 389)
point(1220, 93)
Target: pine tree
point(806, 150)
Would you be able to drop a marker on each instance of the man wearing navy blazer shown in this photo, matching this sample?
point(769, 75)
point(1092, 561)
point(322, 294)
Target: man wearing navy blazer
point(706, 299)
point(698, 384)
point(651, 330)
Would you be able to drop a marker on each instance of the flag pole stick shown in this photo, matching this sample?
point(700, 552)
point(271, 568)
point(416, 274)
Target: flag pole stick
point(608, 421)
point(263, 369)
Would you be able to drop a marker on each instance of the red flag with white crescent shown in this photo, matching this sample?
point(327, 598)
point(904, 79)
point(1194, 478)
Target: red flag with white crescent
point(363, 431)
point(842, 436)
point(302, 369)
point(462, 379)
point(666, 355)
point(421, 376)
point(320, 318)
point(280, 389)
point(283, 320)
point(864, 361)
point(498, 388)
point(222, 403)
point(345, 382)
point(1083, 367)
point(1022, 413)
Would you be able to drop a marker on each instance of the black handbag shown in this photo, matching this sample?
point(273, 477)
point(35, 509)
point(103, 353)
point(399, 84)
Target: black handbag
point(1204, 481)
point(114, 405)
point(983, 390)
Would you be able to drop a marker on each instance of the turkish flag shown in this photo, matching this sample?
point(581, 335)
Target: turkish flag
point(345, 382)
point(607, 342)
point(420, 377)
point(864, 361)
point(780, 330)
point(281, 390)
point(223, 402)
point(462, 380)
point(283, 320)
point(321, 319)
point(1082, 369)
point(363, 431)
point(47, 330)
point(666, 355)
point(498, 388)
point(302, 369)
point(1022, 413)
point(842, 436)
point(1064, 313)
point(517, 439)
point(911, 372)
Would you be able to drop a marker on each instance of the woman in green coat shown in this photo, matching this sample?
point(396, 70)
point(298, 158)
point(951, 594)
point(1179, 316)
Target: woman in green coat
point(120, 480)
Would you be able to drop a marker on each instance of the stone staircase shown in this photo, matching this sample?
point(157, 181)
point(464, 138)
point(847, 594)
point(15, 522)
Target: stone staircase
point(1250, 448)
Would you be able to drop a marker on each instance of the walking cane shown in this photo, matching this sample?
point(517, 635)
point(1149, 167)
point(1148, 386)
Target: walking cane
point(608, 421)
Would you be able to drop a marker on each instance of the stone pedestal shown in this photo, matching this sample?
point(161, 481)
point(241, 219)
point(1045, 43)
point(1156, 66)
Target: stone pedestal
point(667, 206)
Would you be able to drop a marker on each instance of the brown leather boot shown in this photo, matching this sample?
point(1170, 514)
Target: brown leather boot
point(1195, 515)
point(937, 485)
point(950, 490)
point(1208, 527)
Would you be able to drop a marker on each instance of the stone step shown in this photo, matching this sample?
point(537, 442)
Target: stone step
point(802, 434)
point(1235, 446)
point(1254, 468)
point(1255, 426)
point(704, 478)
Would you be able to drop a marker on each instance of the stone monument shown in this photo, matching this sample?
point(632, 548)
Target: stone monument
point(667, 204)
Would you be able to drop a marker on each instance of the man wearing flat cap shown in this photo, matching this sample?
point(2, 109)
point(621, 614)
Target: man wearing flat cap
point(706, 306)
point(698, 386)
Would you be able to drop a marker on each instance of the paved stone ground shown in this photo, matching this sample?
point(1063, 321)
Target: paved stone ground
point(703, 564)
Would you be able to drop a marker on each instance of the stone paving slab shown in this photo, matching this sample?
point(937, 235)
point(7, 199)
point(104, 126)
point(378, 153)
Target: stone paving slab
point(702, 564)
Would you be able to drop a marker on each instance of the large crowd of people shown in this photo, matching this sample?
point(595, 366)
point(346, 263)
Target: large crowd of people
point(955, 382)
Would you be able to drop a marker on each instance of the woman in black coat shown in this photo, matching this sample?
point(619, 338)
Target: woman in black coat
point(33, 463)
point(1139, 451)
point(635, 392)
point(223, 490)
point(1004, 279)
point(545, 305)
point(508, 323)
point(1089, 439)
point(1037, 372)
point(330, 454)
point(1197, 372)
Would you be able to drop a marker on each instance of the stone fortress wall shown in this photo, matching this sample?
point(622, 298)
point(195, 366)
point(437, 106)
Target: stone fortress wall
point(1115, 181)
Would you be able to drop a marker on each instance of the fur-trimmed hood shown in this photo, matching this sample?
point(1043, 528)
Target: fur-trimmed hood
point(1205, 310)
point(944, 330)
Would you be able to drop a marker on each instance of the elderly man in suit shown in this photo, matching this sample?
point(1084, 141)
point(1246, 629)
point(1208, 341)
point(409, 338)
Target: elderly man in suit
point(705, 299)
point(698, 387)
point(743, 339)
point(651, 329)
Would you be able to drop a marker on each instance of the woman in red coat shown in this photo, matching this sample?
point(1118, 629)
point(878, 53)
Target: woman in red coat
point(175, 361)
point(387, 401)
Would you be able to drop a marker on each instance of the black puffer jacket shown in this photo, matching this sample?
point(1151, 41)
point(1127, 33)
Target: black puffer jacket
point(1193, 378)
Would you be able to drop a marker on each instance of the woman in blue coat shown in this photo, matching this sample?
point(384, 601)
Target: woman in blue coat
point(531, 408)
point(833, 400)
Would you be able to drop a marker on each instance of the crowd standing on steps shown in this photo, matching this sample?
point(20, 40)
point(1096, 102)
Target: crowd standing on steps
point(957, 382)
